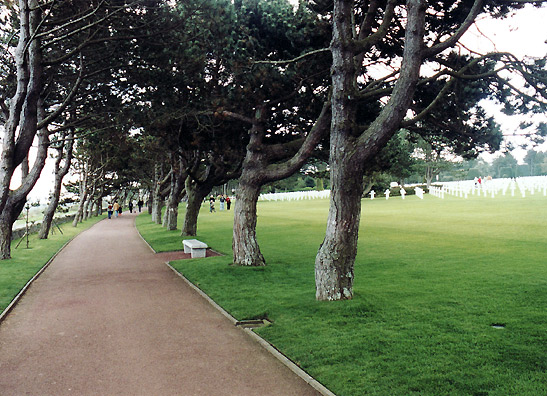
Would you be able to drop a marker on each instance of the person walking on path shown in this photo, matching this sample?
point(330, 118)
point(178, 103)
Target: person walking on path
point(109, 209)
point(110, 321)
point(116, 208)
point(130, 206)
point(140, 205)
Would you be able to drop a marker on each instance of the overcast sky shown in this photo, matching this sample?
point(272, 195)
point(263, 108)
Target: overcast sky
point(523, 34)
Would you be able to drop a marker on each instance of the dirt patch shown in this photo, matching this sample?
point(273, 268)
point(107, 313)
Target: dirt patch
point(180, 255)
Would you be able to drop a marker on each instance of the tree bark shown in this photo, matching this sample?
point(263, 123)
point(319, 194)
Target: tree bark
point(17, 102)
point(244, 244)
point(157, 205)
point(159, 194)
point(176, 192)
point(21, 126)
point(350, 149)
point(11, 211)
point(88, 205)
point(196, 193)
point(258, 170)
point(84, 191)
point(335, 260)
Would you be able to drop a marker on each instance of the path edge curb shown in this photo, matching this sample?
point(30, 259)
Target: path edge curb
point(22, 292)
point(265, 344)
point(319, 387)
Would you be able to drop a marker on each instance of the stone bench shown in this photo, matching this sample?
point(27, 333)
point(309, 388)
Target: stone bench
point(194, 247)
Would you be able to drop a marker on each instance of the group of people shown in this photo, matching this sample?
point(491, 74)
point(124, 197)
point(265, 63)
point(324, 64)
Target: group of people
point(480, 181)
point(116, 208)
point(225, 201)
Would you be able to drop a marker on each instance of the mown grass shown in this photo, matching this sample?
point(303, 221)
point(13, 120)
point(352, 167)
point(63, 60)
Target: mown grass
point(25, 263)
point(431, 278)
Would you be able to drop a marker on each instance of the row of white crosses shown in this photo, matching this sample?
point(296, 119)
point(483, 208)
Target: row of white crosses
point(418, 190)
point(492, 187)
point(294, 196)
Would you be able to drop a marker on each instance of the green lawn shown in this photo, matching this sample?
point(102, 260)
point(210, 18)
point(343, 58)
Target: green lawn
point(431, 278)
point(25, 263)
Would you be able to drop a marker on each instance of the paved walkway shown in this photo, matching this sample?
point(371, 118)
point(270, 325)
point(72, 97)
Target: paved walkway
point(109, 318)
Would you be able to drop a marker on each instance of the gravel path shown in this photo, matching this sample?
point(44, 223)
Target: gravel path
point(108, 317)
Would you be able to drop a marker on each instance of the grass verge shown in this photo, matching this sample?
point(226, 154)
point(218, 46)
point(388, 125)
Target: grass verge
point(25, 263)
point(431, 278)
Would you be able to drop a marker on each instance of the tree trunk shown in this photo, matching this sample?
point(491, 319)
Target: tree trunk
point(80, 214)
point(88, 206)
point(48, 217)
point(98, 206)
point(349, 148)
point(335, 260)
point(259, 168)
point(5, 234)
point(17, 198)
point(7, 217)
point(244, 244)
point(368, 186)
point(176, 192)
point(60, 173)
point(21, 126)
point(336, 257)
point(158, 196)
point(157, 205)
point(196, 193)
point(165, 217)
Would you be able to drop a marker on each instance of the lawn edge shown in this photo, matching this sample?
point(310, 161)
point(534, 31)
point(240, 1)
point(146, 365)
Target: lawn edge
point(22, 292)
point(322, 389)
point(265, 344)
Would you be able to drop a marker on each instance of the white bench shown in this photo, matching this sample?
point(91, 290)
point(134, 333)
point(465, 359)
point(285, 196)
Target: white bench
point(194, 247)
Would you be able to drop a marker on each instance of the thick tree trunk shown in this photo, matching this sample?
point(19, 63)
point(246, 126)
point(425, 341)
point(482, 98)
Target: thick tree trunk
point(350, 149)
point(244, 244)
point(17, 198)
point(196, 194)
point(335, 260)
point(5, 234)
point(49, 213)
point(157, 205)
point(21, 125)
point(98, 206)
point(22, 98)
point(176, 193)
point(259, 168)
point(88, 206)
point(11, 211)
point(158, 196)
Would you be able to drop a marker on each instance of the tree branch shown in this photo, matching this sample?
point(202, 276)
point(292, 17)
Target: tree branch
point(452, 40)
point(67, 100)
point(283, 62)
point(320, 128)
point(368, 42)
